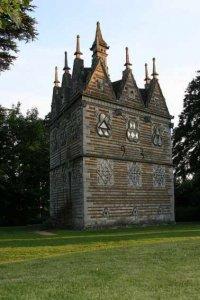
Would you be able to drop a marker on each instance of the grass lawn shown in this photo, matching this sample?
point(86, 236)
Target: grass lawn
point(160, 262)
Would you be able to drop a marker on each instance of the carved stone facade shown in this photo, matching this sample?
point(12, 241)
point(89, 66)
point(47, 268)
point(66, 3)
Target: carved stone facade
point(110, 147)
point(105, 176)
point(134, 174)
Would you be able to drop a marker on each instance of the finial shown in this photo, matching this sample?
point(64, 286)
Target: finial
point(66, 67)
point(127, 64)
point(147, 78)
point(98, 41)
point(56, 81)
point(78, 51)
point(154, 74)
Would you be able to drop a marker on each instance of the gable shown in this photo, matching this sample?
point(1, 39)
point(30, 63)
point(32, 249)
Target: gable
point(156, 101)
point(130, 93)
point(99, 84)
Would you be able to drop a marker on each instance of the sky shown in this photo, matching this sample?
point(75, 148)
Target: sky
point(167, 30)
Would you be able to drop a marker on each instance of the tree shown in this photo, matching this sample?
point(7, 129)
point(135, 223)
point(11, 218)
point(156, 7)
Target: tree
point(16, 24)
point(186, 155)
point(186, 137)
point(24, 166)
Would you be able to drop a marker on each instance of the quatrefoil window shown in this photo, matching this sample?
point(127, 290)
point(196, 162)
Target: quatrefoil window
point(157, 138)
point(103, 126)
point(132, 131)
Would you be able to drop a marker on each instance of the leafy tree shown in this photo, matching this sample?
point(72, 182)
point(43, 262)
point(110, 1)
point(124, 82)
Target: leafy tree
point(24, 166)
point(186, 137)
point(16, 24)
point(186, 154)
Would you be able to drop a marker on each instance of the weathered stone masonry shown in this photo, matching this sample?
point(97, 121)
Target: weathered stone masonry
point(110, 146)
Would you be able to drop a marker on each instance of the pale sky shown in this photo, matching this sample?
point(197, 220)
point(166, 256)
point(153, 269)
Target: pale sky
point(168, 30)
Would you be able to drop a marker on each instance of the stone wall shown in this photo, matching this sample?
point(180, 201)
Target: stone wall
point(128, 175)
point(66, 187)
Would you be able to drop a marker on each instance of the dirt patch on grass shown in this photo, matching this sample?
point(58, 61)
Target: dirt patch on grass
point(43, 232)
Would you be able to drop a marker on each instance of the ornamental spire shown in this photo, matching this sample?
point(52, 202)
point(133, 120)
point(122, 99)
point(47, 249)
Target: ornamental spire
point(147, 79)
point(56, 81)
point(66, 67)
point(99, 48)
point(127, 64)
point(98, 41)
point(78, 52)
point(154, 74)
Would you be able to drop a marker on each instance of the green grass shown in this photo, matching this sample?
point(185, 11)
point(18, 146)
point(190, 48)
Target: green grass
point(160, 262)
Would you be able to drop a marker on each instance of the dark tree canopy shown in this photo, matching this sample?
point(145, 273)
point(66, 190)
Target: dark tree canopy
point(186, 138)
point(16, 24)
point(186, 155)
point(24, 166)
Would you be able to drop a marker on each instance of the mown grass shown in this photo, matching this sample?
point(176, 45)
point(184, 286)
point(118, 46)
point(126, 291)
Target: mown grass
point(134, 263)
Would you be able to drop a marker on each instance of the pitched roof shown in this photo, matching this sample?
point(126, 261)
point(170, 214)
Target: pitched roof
point(117, 86)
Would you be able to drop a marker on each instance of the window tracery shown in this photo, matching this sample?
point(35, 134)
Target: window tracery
point(105, 175)
point(158, 176)
point(134, 175)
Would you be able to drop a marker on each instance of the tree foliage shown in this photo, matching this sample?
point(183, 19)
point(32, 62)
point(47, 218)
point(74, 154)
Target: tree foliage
point(186, 152)
point(186, 137)
point(16, 24)
point(24, 166)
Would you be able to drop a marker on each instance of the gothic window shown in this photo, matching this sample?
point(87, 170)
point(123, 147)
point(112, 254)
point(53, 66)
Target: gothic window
point(158, 176)
point(157, 138)
point(100, 84)
point(132, 132)
point(103, 126)
point(134, 175)
point(105, 175)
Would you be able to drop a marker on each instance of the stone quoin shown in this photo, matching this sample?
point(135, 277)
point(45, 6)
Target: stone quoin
point(110, 146)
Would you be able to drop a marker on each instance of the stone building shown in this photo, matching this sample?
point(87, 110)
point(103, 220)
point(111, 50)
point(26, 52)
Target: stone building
point(110, 146)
